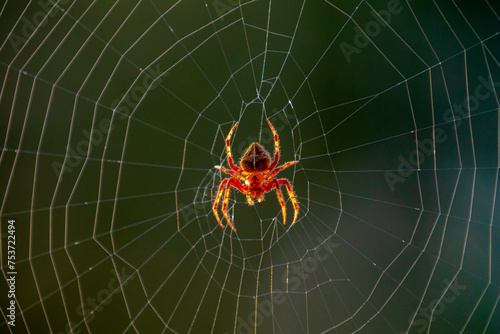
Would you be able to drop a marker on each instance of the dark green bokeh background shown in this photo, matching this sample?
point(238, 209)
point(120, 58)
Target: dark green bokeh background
point(157, 85)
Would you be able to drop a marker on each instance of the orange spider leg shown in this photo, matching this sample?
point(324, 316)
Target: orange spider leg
point(292, 197)
point(276, 146)
point(240, 187)
point(230, 172)
point(228, 149)
point(224, 206)
point(275, 184)
point(279, 169)
point(249, 199)
point(217, 200)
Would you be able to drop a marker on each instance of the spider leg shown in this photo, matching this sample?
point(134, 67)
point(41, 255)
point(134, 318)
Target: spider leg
point(276, 146)
point(231, 183)
point(217, 200)
point(249, 199)
point(292, 198)
point(275, 184)
point(228, 149)
point(279, 169)
point(230, 172)
point(224, 206)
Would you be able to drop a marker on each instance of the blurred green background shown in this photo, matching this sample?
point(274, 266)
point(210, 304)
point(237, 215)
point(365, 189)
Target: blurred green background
point(114, 114)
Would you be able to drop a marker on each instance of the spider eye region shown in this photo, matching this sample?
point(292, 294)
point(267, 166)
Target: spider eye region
point(256, 158)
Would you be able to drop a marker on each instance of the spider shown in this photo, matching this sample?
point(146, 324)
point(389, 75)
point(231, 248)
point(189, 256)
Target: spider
point(257, 174)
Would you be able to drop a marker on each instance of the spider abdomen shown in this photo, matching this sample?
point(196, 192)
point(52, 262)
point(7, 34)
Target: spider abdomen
point(256, 158)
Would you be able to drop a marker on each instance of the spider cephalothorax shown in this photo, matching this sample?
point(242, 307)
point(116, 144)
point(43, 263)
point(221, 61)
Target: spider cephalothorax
point(257, 174)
